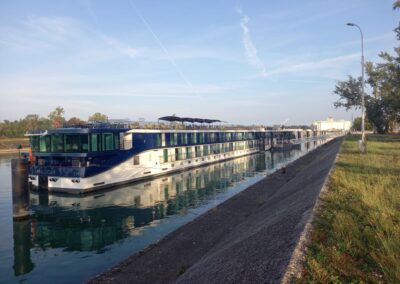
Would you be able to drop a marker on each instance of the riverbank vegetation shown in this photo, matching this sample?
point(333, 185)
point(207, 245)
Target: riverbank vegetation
point(355, 236)
point(55, 119)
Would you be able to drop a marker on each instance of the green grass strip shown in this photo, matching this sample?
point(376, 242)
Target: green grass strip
point(356, 233)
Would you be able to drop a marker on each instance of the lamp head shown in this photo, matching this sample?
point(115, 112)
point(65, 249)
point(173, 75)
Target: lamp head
point(350, 24)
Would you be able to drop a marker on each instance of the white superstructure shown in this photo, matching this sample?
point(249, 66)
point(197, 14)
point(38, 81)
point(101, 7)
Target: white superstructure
point(332, 125)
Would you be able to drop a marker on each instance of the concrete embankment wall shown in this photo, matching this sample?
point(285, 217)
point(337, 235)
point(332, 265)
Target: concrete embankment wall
point(249, 238)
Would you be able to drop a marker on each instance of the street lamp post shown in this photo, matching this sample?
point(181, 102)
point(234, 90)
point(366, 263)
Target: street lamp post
point(362, 146)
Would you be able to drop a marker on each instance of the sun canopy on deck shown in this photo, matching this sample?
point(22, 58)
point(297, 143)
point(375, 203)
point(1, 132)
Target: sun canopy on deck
point(170, 118)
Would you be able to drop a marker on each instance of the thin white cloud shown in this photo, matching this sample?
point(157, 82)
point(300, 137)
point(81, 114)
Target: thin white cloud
point(194, 52)
point(250, 48)
point(57, 28)
point(121, 46)
point(388, 36)
point(36, 33)
point(316, 65)
point(43, 87)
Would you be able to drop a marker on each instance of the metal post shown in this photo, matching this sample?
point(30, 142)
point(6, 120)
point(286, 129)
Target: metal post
point(362, 146)
point(20, 189)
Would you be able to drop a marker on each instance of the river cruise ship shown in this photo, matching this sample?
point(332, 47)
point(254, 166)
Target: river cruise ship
point(83, 159)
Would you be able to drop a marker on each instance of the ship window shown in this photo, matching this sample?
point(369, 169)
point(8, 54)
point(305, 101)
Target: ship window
point(108, 142)
point(94, 143)
point(72, 143)
point(178, 154)
point(136, 160)
point(212, 137)
point(57, 143)
point(45, 143)
point(116, 141)
point(35, 143)
point(198, 151)
point(188, 152)
point(165, 155)
point(158, 140)
point(171, 141)
point(84, 142)
point(207, 137)
point(205, 150)
point(201, 138)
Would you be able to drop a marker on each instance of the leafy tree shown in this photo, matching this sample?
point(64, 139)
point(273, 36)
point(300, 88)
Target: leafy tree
point(18, 128)
point(44, 123)
point(384, 78)
point(396, 5)
point(98, 117)
point(357, 124)
point(31, 122)
point(349, 92)
point(57, 117)
point(377, 114)
point(383, 108)
point(73, 121)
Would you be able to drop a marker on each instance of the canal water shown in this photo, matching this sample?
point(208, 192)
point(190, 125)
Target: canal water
point(70, 239)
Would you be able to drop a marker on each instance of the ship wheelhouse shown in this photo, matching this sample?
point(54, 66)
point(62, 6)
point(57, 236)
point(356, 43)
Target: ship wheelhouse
point(74, 152)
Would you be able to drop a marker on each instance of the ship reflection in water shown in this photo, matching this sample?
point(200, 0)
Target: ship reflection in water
point(101, 221)
point(91, 222)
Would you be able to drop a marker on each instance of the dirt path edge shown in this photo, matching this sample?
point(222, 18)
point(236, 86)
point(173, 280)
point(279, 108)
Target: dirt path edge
point(296, 263)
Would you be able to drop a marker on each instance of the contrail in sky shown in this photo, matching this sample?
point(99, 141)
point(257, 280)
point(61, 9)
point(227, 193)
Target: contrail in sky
point(161, 45)
point(89, 8)
point(251, 50)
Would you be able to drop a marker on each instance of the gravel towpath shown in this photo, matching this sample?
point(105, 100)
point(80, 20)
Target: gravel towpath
point(249, 238)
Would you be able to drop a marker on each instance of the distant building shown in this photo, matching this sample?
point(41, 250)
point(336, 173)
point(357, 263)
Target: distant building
point(330, 124)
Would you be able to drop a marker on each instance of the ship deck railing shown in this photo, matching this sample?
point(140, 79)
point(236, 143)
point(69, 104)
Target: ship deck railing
point(172, 126)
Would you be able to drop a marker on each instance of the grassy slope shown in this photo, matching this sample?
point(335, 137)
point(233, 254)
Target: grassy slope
point(356, 236)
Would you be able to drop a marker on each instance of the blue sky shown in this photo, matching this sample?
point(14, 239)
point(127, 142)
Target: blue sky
point(241, 62)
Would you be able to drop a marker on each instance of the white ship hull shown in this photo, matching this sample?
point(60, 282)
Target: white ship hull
point(127, 172)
